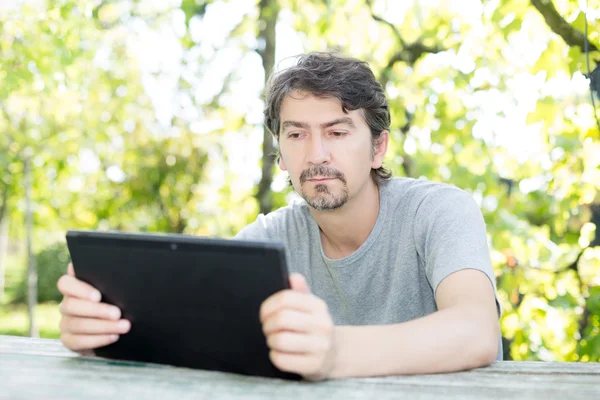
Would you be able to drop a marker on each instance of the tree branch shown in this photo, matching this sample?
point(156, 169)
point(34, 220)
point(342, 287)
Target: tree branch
point(388, 23)
point(562, 28)
point(408, 53)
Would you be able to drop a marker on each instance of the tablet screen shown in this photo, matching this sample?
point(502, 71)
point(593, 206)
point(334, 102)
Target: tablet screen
point(193, 302)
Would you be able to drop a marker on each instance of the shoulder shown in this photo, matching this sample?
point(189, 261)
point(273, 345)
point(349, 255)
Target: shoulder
point(420, 195)
point(293, 218)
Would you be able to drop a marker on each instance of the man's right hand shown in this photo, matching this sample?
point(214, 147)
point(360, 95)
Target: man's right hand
point(86, 322)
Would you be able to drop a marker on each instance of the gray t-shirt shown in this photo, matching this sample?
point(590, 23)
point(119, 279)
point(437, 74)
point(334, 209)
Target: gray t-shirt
point(424, 232)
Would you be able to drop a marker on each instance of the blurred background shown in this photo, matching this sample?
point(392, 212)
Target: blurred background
point(146, 115)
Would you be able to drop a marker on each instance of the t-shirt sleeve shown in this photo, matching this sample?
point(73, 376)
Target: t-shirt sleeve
point(257, 230)
point(450, 235)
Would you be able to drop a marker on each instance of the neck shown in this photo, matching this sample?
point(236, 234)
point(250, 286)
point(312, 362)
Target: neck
point(345, 229)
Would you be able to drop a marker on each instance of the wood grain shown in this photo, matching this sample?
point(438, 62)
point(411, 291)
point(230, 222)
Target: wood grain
point(42, 368)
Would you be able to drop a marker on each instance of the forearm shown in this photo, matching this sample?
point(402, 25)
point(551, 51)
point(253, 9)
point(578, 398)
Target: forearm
point(453, 339)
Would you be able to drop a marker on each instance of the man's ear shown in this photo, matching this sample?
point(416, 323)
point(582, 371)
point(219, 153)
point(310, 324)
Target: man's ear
point(381, 145)
point(281, 163)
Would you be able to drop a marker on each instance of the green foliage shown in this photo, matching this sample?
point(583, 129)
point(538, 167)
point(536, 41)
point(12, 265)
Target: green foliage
point(51, 264)
point(491, 110)
point(535, 206)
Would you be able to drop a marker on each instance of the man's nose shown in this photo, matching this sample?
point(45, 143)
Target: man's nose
point(318, 151)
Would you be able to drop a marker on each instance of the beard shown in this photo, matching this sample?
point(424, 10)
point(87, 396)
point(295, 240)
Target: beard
point(322, 198)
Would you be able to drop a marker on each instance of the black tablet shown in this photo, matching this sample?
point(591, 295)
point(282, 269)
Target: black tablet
point(192, 302)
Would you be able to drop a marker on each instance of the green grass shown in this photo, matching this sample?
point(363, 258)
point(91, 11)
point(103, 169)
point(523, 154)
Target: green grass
point(15, 321)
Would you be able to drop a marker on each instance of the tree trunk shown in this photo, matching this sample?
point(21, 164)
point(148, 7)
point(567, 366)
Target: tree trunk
point(3, 240)
point(3, 251)
point(267, 20)
point(31, 270)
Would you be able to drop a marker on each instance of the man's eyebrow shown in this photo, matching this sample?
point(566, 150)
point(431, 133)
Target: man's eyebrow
point(295, 124)
point(338, 121)
point(343, 120)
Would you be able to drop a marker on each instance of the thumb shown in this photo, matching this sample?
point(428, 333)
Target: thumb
point(297, 282)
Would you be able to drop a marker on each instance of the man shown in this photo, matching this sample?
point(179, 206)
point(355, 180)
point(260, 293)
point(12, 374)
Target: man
point(390, 276)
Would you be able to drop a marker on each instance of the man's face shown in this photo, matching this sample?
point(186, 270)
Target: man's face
point(327, 152)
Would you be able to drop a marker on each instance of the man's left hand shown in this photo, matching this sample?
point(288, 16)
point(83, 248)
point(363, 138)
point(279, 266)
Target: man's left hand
point(299, 331)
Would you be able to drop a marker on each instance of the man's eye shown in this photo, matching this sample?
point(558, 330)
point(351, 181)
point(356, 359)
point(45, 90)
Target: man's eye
point(338, 133)
point(293, 135)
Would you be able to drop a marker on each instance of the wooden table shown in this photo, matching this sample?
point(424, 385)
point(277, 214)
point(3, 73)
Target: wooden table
point(44, 369)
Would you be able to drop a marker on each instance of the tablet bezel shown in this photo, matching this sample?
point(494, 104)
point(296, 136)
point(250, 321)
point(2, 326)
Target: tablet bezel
point(166, 243)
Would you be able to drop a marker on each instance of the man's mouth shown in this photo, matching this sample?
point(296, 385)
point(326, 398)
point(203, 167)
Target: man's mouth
point(321, 174)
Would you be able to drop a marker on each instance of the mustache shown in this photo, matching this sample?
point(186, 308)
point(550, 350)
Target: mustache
point(323, 171)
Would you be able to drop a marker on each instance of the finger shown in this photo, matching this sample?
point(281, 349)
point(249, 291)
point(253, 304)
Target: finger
point(75, 307)
point(92, 326)
point(294, 300)
point(298, 283)
point(298, 343)
point(71, 286)
point(89, 353)
point(70, 270)
point(84, 343)
point(291, 320)
point(303, 364)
